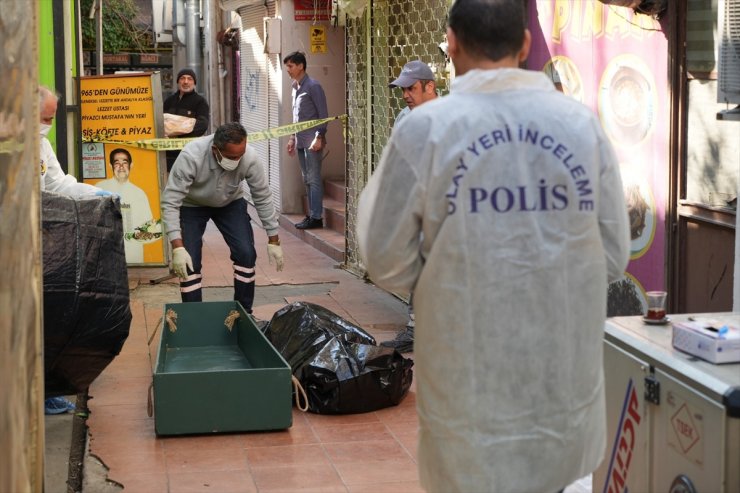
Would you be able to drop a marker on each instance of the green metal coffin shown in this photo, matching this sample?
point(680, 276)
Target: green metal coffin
point(210, 379)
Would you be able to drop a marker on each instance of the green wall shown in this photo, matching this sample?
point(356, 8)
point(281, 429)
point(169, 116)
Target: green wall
point(48, 57)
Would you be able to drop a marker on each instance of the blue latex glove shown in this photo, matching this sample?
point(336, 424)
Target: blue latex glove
point(106, 193)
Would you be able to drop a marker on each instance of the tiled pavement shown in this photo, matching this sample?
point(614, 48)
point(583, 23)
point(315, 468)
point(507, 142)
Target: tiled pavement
point(374, 451)
point(371, 452)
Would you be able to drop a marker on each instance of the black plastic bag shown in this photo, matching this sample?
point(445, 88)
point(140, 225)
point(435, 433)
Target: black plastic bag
point(86, 298)
point(338, 364)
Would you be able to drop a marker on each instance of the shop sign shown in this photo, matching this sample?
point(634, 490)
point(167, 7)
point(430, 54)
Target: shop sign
point(312, 10)
point(116, 112)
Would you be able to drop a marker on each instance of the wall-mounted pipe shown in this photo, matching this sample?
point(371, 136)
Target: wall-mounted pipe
point(178, 21)
point(192, 37)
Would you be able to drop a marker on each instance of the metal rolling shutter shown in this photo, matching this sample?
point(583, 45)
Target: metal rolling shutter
point(274, 76)
point(255, 101)
point(729, 52)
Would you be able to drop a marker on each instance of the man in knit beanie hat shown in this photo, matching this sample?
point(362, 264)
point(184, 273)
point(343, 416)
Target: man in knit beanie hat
point(187, 71)
point(188, 103)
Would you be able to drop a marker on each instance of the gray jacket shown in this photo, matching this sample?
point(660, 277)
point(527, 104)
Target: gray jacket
point(198, 180)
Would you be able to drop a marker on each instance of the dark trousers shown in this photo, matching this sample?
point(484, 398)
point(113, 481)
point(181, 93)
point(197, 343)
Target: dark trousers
point(234, 224)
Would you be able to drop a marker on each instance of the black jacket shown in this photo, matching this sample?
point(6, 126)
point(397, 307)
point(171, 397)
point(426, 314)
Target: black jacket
point(192, 105)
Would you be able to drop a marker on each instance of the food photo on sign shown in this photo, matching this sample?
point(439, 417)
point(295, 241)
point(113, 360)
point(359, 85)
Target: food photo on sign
point(641, 208)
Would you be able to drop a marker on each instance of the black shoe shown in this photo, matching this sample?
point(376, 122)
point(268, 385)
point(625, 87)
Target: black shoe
point(404, 341)
point(310, 223)
point(302, 224)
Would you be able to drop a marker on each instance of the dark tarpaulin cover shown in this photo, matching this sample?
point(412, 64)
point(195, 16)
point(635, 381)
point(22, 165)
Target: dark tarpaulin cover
point(86, 298)
point(339, 365)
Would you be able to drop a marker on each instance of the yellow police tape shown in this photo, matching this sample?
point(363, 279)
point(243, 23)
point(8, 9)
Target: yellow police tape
point(176, 144)
point(12, 146)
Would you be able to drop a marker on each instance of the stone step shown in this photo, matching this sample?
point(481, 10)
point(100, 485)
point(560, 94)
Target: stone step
point(334, 215)
point(326, 240)
point(336, 189)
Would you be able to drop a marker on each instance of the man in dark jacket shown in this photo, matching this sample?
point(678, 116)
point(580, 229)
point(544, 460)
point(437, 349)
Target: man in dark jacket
point(187, 102)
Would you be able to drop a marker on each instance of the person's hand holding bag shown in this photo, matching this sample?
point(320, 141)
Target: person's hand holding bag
point(181, 261)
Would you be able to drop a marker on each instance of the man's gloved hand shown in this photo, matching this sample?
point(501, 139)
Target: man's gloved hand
point(181, 261)
point(275, 252)
point(105, 193)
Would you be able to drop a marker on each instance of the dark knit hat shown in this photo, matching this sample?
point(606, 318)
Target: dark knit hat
point(186, 71)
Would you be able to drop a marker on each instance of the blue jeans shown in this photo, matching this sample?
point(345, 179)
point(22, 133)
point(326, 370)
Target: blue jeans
point(234, 224)
point(311, 170)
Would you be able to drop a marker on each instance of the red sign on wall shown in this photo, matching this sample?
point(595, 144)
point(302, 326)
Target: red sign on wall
point(312, 10)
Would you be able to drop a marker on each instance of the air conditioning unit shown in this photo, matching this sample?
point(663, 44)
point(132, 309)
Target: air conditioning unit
point(728, 86)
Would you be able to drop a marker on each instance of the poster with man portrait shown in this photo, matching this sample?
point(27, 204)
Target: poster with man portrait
point(117, 112)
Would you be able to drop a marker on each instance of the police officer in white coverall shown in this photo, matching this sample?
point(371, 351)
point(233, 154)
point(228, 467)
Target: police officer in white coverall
point(52, 176)
point(501, 206)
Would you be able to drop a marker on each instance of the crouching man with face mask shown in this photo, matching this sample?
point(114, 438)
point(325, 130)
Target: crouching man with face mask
point(205, 184)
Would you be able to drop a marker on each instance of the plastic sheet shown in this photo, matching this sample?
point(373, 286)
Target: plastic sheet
point(338, 364)
point(86, 298)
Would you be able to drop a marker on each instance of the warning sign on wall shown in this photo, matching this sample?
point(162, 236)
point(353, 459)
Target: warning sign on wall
point(318, 39)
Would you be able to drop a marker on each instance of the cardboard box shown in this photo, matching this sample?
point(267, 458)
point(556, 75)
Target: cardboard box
point(709, 340)
point(210, 379)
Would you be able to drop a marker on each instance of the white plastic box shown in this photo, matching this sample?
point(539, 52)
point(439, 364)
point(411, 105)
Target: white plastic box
point(708, 339)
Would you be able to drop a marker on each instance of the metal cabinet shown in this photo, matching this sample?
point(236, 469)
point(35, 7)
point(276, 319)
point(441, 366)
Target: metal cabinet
point(673, 421)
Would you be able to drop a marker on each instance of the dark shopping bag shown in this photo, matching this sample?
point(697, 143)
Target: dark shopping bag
point(338, 364)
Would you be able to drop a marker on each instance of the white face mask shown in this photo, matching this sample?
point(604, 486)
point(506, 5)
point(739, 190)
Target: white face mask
point(45, 127)
point(226, 163)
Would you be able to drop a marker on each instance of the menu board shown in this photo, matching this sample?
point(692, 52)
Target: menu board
point(117, 111)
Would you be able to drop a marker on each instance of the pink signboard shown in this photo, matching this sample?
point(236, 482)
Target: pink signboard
point(615, 62)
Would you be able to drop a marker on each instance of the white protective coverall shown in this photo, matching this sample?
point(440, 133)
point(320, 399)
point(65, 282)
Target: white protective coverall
point(501, 206)
point(53, 177)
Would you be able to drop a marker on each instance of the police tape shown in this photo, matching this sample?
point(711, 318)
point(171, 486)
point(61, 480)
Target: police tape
point(177, 144)
point(12, 146)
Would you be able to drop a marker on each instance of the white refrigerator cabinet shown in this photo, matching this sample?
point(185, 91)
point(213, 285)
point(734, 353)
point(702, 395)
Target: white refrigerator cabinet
point(673, 421)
